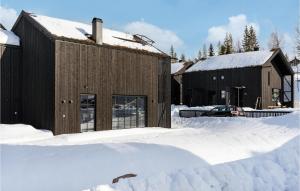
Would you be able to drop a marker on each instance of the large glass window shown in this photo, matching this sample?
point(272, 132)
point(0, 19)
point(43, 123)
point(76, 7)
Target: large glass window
point(128, 112)
point(87, 112)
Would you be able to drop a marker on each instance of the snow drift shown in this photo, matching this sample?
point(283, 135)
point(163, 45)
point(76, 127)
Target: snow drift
point(198, 154)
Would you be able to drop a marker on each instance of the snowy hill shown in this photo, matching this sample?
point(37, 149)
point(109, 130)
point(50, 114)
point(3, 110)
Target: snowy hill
point(197, 154)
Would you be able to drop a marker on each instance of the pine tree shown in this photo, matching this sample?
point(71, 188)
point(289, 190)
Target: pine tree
point(211, 50)
point(298, 41)
point(287, 57)
point(222, 50)
point(182, 57)
point(199, 55)
point(246, 39)
point(219, 48)
point(253, 43)
point(204, 52)
point(274, 41)
point(228, 44)
point(238, 47)
point(172, 51)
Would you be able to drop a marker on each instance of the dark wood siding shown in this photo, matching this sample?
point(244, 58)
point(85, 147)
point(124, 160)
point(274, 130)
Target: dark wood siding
point(164, 96)
point(10, 105)
point(273, 72)
point(175, 89)
point(55, 71)
point(106, 71)
point(37, 75)
point(201, 89)
point(269, 74)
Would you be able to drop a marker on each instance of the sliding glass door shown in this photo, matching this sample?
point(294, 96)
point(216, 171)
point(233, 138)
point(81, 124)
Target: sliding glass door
point(128, 111)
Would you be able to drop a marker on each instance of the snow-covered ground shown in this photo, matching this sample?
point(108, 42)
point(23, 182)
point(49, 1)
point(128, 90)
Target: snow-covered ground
point(196, 154)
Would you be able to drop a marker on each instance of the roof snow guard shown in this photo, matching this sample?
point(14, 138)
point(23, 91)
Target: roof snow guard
point(238, 60)
point(82, 31)
point(8, 37)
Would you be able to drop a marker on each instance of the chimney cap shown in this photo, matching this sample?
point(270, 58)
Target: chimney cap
point(97, 19)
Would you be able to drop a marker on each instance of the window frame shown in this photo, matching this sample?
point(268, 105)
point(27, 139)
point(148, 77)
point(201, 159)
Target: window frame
point(138, 119)
point(88, 105)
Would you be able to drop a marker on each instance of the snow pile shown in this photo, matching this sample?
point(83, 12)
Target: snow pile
point(237, 60)
point(81, 31)
point(8, 37)
point(277, 170)
point(198, 154)
point(175, 67)
point(21, 133)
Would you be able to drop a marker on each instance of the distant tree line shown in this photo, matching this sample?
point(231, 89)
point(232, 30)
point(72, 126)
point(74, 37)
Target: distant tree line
point(248, 43)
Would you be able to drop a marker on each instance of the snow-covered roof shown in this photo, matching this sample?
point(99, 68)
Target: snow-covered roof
point(80, 31)
point(175, 67)
point(8, 37)
point(238, 60)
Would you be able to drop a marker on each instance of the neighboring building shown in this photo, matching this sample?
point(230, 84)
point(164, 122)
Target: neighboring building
point(78, 77)
point(10, 54)
point(295, 62)
point(177, 69)
point(296, 69)
point(259, 79)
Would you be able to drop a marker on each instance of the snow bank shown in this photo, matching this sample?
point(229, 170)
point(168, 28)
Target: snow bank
point(8, 37)
point(80, 31)
point(21, 133)
point(237, 60)
point(277, 170)
point(198, 154)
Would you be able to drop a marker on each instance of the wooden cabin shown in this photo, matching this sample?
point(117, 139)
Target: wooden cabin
point(177, 69)
point(10, 54)
point(258, 79)
point(78, 77)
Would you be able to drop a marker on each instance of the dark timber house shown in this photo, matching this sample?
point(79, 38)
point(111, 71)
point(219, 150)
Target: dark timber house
point(10, 55)
point(177, 69)
point(259, 79)
point(77, 77)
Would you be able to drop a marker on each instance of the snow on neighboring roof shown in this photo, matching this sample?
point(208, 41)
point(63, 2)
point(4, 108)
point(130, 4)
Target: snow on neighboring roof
point(8, 37)
point(175, 67)
point(80, 31)
point(238, 60)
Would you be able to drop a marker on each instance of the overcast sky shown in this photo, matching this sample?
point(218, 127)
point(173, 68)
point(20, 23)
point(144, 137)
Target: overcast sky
point(186, 24)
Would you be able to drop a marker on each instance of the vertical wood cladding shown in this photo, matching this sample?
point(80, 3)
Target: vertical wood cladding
point(10, 110)
point(204, 87)
point(55, 71)
point(269, 74)
point(37, 77)
point(107, 71)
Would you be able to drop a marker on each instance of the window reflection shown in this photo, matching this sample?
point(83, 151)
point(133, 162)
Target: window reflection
point(128, 112)
point(87, 112)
